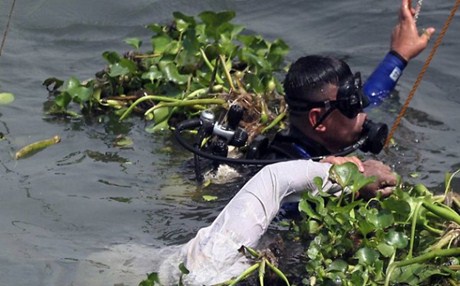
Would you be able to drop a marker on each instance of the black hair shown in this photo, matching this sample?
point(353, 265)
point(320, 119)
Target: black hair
point(309, 74)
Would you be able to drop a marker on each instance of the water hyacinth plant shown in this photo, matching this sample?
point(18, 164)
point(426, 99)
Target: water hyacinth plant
point(409, 238)
point(193, 64)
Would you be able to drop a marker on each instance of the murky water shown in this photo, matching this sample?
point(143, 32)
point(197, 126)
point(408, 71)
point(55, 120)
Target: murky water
point(63, 207)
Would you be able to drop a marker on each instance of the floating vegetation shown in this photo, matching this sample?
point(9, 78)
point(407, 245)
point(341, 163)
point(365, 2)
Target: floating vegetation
point(35, 147)
point(6, 97)
point(193, 64)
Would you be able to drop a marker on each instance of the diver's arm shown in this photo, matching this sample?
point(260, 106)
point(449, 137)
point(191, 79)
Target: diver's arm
point(406, 44)
point(246, 218)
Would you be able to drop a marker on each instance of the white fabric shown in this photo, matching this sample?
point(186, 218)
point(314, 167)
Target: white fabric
point(212, 256)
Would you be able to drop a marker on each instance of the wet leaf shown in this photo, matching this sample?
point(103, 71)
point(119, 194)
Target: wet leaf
point(153, 74)
point(80, 94)
point(380, 219)
point(123, 67)
point(157, 127)
point(152, 278)
point(366, 256)
point(123, 142)
point(305, 207)
point(6, 98)
point(343, 174)
point(385, 249)
point(171, 73)
point(63, 99)
point(134, 42)
point(160, 43)
point(338, 265)
point(209, 198)
point(396, 239)
point(111, 57)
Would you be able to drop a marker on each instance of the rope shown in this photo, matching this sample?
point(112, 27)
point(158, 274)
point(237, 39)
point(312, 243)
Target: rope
point(7, 27)
point(422, 72)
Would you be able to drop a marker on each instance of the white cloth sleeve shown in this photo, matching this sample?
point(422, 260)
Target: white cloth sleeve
point(212, 256)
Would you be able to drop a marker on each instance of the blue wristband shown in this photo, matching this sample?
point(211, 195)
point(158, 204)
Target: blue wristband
point(384, 78)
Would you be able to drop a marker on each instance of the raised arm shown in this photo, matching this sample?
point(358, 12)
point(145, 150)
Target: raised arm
point(406, 43)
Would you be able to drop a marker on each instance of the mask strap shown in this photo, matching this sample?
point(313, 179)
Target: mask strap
point(329, 109)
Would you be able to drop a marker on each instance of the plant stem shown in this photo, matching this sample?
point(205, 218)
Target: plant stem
point(210, 66)
point(205, 101)
point(245, 274)
point(420, 259)
point(274, 122)
point(278, 272)
point(448, 189)
point(413, 226)
point(442, 211)
point(227, 73)
point(144, 98)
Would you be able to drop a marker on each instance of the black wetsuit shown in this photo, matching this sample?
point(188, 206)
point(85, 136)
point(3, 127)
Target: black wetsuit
point(288, 144)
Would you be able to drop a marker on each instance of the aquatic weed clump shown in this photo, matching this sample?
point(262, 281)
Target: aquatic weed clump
point(194, 63)
point(409, 238)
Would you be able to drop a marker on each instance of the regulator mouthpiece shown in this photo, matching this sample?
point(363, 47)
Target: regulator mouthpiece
point(376, 135)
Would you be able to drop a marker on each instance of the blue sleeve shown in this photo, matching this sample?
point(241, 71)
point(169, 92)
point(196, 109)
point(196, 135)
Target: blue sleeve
point(384, 78)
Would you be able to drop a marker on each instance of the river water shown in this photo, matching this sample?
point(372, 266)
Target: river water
point(83, 212)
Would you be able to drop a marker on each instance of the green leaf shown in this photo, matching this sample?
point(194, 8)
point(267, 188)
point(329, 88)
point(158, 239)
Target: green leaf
point(183, 21)
point(63, 99)
point(365, 227)
point(385, 249)
point(183, 269)
point(400, 208)
point(209, 198)
point(156, 28)
point(343, 174)
point(123, 142)
point(153, 74)
point(134, 42)
point(123, 67)
point(366, 256)
point(396, 239)
point(338, 265)
point(214, 20)
point(157, 127)
point(160, 43)
point(171, 73)
point(80, 94)
point(253, 83)
point(152, 278)
point(380, 219)
point(72, 82)
point(111, 57)
point(304, 206)
point(6, 98)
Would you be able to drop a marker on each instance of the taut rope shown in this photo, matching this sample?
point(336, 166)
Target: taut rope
point(422, 72)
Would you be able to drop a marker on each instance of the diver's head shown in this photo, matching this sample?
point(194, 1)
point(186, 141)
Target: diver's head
point(325, 101)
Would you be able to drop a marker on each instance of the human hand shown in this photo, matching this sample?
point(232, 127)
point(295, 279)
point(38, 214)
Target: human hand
point(405, 39)
point(341, 160)
point(385, 180)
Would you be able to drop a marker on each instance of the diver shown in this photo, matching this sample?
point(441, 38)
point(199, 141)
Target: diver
point(326, 101)
point(326, 104)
